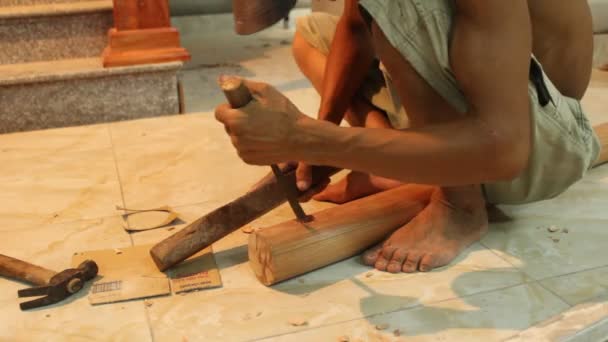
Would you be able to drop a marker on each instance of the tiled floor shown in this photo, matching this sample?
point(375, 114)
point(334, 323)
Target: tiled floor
point(58, 189)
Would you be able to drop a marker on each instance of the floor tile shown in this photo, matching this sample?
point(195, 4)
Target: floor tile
point(581, 287)
point(183, 172)
point(489, 316)
point(53, 141)
point(528, 244)
point(75, 319)
point(58, 187)
point(337, 293)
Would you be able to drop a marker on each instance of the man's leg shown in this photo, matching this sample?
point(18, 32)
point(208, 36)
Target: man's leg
point(456, 216)
point(360, 114)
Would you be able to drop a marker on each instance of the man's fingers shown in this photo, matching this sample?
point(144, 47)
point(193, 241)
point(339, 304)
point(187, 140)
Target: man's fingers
point(303, 177)
point(221, 112)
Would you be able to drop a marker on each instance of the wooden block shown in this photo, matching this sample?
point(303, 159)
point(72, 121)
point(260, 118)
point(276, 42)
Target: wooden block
point(293, 248)
point(602, 132)
point(142, 46)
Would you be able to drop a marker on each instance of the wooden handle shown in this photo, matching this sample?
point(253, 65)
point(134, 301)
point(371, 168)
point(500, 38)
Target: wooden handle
point(602, 132)
point(208, 229)
point(21, 270)
point(293, 248)
point(235, 91)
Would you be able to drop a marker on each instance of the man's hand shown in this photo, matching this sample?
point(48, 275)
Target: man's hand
point(263, 131)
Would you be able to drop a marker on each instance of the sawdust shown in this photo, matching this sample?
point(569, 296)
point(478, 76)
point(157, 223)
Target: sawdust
point(344, 339)
point(297, 321)
point(382, 326)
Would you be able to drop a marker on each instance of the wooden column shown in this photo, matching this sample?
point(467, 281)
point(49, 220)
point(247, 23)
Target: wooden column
point(142, 34)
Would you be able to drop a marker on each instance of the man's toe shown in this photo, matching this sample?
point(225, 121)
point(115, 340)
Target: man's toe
point(395, 265)
point(381, 263)
point(428, 262)
point(371, 255)
point(411, 263)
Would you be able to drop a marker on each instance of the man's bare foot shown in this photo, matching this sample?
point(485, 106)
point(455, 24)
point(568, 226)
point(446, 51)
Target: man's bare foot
point(354, 186)
point(454, 219)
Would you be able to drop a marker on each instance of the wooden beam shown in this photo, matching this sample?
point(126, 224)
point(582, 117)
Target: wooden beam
point(293, 248)
point(602, 132)
point(142, 34)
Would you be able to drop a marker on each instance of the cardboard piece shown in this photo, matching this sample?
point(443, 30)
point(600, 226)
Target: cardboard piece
point(147, 219)
point(130, 273)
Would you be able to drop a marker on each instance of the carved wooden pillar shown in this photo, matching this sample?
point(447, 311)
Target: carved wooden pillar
point(142, 34)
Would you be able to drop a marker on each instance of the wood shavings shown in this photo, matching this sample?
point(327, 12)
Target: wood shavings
point(117, 251)
point(258, 314)
point(382, 326)
point(397, 332)
point(344, 339)
point(148, 303)
point(369, 274)
point(552, 229)
point(170, 229)
point(297, 321)
point(248, 230)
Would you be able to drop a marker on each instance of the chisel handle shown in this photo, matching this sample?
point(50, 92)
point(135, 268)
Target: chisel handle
point(24, 271)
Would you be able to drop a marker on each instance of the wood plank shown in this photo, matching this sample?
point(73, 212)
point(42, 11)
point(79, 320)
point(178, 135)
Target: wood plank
point(293, 248)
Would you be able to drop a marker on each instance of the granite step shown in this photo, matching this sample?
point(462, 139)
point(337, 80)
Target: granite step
point(43, 32)
point(80, 91)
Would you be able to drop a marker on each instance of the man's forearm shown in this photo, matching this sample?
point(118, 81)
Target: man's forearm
point(349, 60)
point(457, 153)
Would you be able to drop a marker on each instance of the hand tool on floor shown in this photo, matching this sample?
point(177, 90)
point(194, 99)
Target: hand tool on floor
point(267, 195)
point(53, 287)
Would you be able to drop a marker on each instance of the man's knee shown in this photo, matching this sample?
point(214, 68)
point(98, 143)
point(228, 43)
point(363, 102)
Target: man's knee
point(300, 47)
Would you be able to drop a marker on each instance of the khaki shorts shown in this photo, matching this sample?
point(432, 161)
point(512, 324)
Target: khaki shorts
point(564, 144)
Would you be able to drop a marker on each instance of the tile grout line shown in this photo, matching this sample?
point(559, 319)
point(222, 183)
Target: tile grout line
point(122, 196)
point(538, 281)
point(393, 311)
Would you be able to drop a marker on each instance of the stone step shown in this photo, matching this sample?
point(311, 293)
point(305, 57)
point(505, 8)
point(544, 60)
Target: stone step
point(43, 32)
point(80, 91)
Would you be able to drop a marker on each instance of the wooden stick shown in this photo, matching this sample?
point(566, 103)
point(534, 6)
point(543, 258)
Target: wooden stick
point(602, 132)
point(293, 248)
point(21, 270)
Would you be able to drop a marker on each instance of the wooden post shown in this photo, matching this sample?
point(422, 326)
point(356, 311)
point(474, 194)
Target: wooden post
point(602, 133)
point(142, 34)
point(293, 248)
